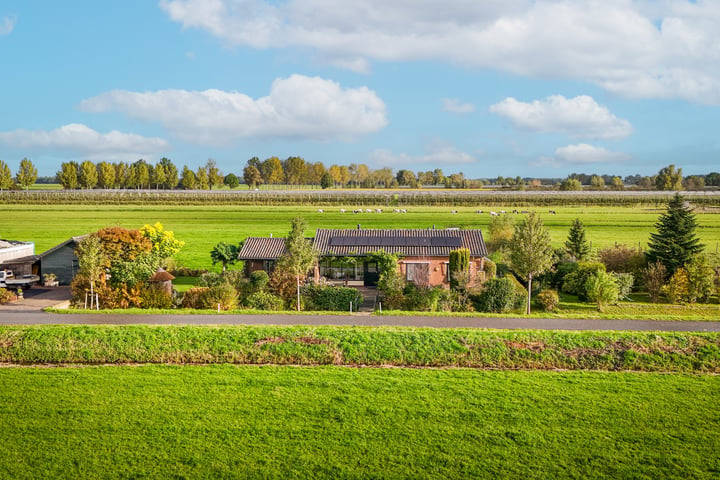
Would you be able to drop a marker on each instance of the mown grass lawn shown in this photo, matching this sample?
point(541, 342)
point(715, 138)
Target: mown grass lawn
point(331, 422)
point(201, 227)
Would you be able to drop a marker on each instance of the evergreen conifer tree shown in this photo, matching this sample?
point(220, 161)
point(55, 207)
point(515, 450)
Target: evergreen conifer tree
point(576, 245)
point(675, 243)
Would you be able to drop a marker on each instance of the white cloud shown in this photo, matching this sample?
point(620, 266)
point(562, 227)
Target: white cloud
point(438, 155)
point(78, 139)
point(297, 107)
point(640, 49)
point(579, 117)
point(582, 154)
point(7, 24)
point(453, 105)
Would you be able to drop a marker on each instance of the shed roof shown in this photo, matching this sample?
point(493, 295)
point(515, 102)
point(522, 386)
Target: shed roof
point(71, 241)
point(262, 248)
point(161, 275)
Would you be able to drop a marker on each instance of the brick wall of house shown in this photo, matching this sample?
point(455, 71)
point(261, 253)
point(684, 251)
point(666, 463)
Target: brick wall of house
point(438, 269)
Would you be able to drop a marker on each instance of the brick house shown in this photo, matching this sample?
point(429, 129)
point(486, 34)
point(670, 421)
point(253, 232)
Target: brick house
point(344, 254)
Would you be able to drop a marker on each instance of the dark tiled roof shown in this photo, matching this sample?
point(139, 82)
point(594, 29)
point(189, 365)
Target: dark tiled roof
point(353, 242)
point(407, 242)
point(262, 248)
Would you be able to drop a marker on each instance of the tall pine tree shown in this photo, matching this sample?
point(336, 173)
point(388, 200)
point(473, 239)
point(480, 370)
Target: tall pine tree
point(576, 246)
point(674, 244)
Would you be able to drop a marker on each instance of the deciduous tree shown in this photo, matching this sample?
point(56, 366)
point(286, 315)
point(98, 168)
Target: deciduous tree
point(27, 173)
point(188, 180)
point(88, 175)
point(106, 174)
point(252, 176)
point(231, 180)
point(225, 254)
point(68, 175)
point(531, 251)
point(669, 179)
point(214, 176)
point(5, 176)
point(300, 256)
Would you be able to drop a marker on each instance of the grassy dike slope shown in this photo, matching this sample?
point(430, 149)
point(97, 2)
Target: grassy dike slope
point(373, 346)
point(224, 421)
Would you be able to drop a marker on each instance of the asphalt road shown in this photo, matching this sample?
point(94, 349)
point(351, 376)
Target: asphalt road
point(30, 312)
point(35, 317)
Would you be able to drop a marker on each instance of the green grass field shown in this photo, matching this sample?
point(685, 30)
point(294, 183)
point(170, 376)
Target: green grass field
point(202, 227)
point(328, 422)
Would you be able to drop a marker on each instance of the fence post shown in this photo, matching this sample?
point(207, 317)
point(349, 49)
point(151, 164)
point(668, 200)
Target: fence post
point(350, 307)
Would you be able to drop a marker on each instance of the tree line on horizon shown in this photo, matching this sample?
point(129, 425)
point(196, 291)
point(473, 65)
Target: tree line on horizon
point(296, 171)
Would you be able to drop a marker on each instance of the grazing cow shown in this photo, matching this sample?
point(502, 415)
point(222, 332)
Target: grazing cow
point(342, 210)
point(515, 212)
point(553, 212)
point(396, 210)
point(367, 210)
point(378, 210)
point(478, 211)
point(524, 211)
point(320, 210)
point(493, 214)
point(403, 210)
point(502, 212)
point(453, 212)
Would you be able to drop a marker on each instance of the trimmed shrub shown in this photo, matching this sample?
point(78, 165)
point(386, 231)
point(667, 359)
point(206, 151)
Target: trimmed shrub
point(490, 268)
point(196, 297)
point(601, 288)
point(459, 263)
point(222, 296)
point(421, 299)
point(520, 291)
point(330, 298)
point(562, 270)
point(576, 281)
point(498, 296)
point(548, 299)
point(264, 301)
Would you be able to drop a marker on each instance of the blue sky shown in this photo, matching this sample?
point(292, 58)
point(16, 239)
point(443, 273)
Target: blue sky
point(498, 87)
